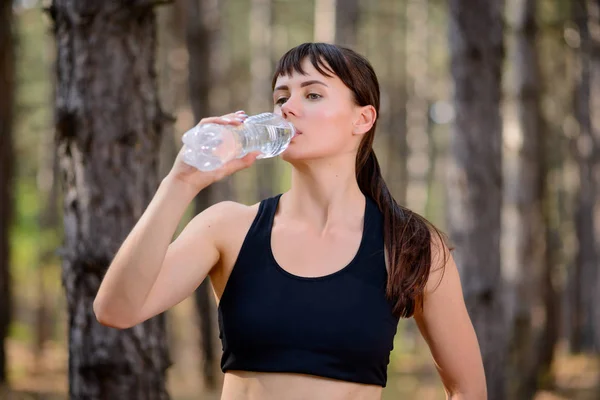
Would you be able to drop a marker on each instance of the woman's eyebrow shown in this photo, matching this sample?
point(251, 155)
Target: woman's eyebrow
point(303, 84)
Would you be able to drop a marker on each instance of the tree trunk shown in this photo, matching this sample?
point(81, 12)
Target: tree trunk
point(172, 78)
point(555, 63)
point(475, 174)
point(585, 151)
point(525, 197)
point(393, 111)
point(324, 25)
point(552, 159)
point(397, 147)
point(594, 21)
point(48, 190)
point(347, 14)
point(336, 21)
point(417, 104)
point(108, 130)
point(202, 37)
point(7, 88)
point(261, 67)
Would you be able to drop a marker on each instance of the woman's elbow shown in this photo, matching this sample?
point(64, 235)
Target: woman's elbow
point(111, 319)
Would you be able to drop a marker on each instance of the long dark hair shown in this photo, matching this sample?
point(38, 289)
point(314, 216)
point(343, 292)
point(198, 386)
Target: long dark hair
point(407, 235)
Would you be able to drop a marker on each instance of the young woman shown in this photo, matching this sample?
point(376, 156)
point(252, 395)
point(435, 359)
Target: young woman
point(310, 283)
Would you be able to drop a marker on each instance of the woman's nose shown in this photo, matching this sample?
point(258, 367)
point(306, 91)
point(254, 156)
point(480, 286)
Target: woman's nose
point(290, 107)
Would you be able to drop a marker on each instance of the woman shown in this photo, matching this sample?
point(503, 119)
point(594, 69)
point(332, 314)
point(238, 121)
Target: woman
point(310, 283)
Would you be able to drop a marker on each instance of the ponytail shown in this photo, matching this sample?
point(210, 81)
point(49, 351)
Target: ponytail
point(407, 239)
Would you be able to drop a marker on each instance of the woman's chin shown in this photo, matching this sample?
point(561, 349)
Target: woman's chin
point(293, 154)
point(289, 155)
point(297, 158)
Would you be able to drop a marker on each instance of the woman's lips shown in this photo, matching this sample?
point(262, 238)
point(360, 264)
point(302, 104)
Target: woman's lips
point(296, 134)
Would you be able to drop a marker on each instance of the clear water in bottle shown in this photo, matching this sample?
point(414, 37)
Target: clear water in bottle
point(209, 146)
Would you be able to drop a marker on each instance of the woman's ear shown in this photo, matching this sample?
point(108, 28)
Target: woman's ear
point(366, 117)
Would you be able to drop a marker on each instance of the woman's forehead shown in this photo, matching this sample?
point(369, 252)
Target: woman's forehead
point(310, 73)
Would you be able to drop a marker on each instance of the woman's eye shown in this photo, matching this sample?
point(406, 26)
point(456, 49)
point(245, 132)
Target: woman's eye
point(311, 96)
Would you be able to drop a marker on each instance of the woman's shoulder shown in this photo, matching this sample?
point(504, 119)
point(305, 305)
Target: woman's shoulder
point(230, 213)
point(232, 216)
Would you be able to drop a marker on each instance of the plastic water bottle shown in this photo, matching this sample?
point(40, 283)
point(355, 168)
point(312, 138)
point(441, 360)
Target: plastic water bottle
point(209, 146)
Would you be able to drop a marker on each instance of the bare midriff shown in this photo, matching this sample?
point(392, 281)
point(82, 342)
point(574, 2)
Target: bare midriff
point(243, 385)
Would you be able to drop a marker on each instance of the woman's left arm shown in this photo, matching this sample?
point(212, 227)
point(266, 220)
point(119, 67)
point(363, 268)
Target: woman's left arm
point(447, 329)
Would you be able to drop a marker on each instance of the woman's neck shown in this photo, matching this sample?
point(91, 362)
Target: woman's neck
point(323, 193)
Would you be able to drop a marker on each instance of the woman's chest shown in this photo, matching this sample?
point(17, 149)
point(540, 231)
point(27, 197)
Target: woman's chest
point(306, 254)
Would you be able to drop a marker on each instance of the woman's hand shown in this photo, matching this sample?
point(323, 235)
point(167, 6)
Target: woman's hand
point(197, 179)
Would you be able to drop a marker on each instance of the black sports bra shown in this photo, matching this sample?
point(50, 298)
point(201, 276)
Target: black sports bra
point(336, 326)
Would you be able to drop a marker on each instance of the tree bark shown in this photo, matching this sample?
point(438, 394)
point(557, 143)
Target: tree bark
point(525, 198)
point(7, 88)
point(108, 129)
point(475, 174)
point(48, 220)
point(585, 152)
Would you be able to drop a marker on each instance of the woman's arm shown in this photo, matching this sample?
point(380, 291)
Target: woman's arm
point(137, 264)
point(149, 273)
point(447, 329)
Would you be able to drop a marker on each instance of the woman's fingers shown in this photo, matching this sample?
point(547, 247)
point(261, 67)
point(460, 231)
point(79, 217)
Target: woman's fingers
point(237, 164)
point(241, 163)
point(235, 118)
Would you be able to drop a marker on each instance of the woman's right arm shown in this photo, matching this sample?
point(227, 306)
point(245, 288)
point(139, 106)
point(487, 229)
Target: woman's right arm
point(149, 274)
point(138, 263)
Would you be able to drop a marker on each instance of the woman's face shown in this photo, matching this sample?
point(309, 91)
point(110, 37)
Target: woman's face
point(321, 109)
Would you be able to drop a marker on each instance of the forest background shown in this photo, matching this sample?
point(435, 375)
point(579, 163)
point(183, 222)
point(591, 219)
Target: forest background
point(489, 127)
